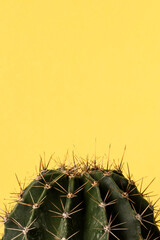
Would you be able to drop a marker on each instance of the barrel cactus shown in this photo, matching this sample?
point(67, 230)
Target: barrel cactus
point(84, 200)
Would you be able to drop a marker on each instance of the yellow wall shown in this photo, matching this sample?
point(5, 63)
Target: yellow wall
point(72, 71)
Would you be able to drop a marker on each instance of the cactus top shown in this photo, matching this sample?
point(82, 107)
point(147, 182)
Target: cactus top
point(82, 201)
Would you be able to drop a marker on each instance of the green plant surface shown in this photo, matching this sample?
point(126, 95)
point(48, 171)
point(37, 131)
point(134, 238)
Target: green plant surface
point(84, 202)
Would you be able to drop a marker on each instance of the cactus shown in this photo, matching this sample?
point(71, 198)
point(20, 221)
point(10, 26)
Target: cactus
point(84, 201)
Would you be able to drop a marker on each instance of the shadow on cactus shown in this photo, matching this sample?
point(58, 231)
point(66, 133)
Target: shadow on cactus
point(83, 200)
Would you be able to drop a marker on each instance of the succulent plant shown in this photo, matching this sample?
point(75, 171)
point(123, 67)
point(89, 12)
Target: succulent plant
point(84, 200)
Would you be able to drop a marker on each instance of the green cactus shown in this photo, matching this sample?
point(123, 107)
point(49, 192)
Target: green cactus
point(85, 201)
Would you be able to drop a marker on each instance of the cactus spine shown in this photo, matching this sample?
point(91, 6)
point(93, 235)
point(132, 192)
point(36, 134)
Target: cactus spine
point(85, 201)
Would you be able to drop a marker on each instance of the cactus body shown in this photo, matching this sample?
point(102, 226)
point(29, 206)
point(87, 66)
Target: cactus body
point(91, 204)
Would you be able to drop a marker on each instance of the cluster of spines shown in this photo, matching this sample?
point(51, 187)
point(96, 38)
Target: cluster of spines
point(79, 168)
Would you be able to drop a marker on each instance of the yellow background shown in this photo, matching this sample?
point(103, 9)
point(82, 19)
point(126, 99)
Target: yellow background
point(75, 71)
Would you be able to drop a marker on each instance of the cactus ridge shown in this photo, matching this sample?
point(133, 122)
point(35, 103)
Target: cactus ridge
point(84, 200)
